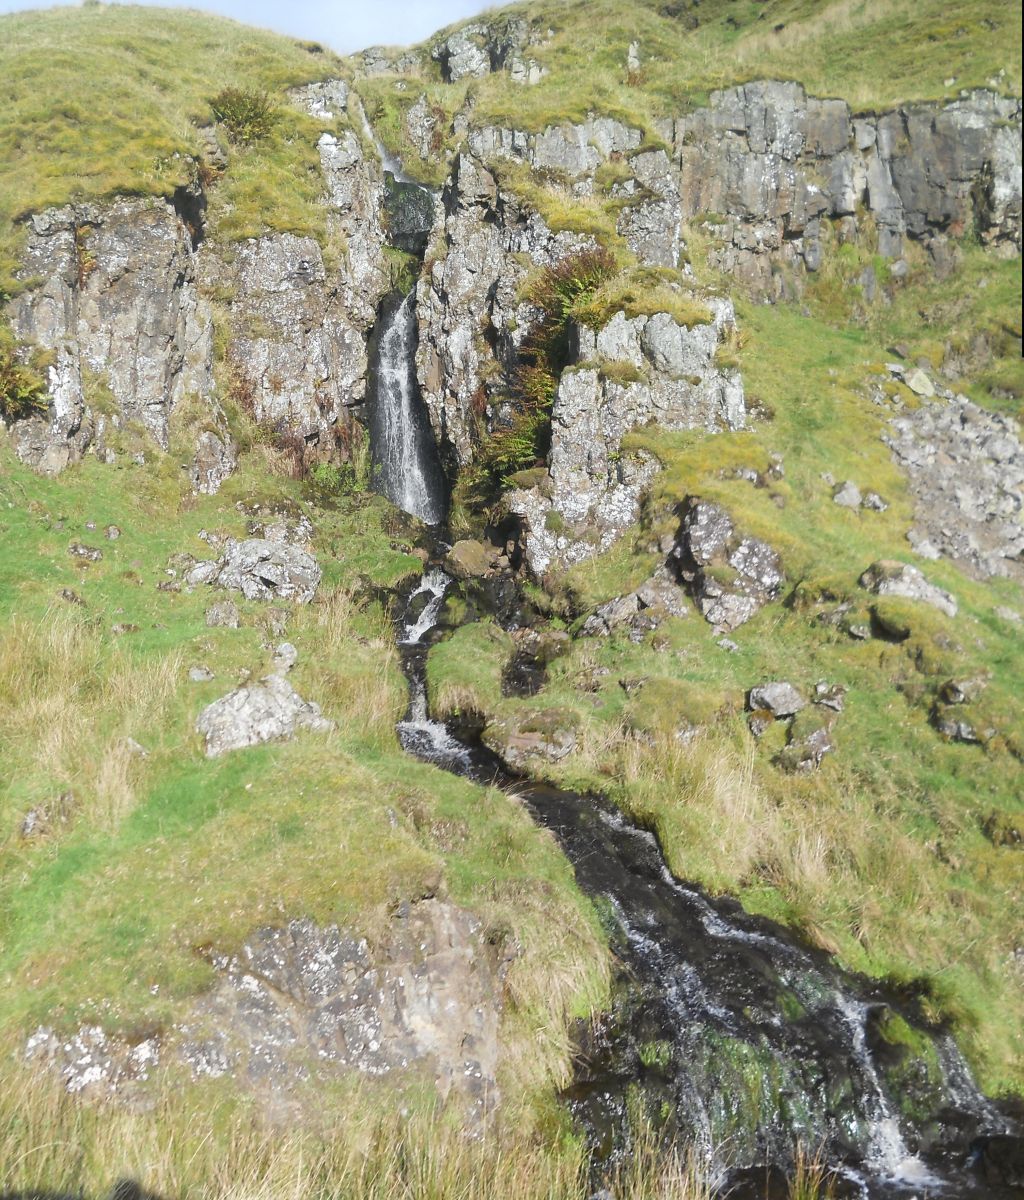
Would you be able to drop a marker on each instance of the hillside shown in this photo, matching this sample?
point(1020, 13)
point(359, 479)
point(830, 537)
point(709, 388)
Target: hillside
point(712, 356)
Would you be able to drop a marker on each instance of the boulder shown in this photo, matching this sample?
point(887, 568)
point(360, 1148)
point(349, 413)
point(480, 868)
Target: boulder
point(780, 699)
point(521, 741)
point(223, 613)
point(262, 569)
point(263, 712)
point(732, 577)
point(847, 495)
point(469, 559)
point(890, 578)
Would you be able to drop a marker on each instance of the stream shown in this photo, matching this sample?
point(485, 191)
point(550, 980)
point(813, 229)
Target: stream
point(744, 1041)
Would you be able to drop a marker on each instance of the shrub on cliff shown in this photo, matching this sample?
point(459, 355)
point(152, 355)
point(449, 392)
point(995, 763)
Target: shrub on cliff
point(246, 113)
point(22, 388)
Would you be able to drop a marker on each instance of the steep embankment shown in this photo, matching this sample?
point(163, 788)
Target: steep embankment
point(699, 347)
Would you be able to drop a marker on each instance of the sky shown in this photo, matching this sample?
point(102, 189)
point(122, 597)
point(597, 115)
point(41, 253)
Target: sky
point(344, 26)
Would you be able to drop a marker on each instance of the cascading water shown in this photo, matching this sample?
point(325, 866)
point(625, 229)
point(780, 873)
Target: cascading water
point(751, 1042)
point(405, 465)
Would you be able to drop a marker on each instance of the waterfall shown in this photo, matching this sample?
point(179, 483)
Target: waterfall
point(406, 467)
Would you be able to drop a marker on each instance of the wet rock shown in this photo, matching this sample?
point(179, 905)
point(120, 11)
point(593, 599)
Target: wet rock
point(262, 569)
point(1000, 1159)
point(890, 578)
point(548, 735)
point(223, 613)
point(780, 699)
point(85, 553)
point(266, 711)
point(469, 559)
point(847, 495)
point(732, 576)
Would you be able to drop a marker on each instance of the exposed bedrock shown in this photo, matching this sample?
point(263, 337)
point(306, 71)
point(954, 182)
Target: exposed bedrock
point(631, 373)
point(764, 165)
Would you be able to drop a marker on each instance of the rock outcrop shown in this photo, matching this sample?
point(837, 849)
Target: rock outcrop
point(471, 319)
point(112, 296)
point(889, 578)
point(635, 371)
point(764, 166)
point(771, 164)
point(732, 576)
point(311, 1002)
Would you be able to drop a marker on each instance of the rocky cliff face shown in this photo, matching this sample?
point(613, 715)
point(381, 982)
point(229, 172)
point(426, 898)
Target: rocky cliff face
point(116, 293)
point(113, 297)
point(648, 369)
point(120, 295)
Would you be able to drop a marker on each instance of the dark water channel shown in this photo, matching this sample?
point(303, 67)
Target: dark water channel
point(727, 1031)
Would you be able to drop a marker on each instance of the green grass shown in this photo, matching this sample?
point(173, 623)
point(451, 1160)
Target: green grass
point(874, 53)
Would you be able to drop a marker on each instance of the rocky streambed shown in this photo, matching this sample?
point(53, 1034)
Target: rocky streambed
point(725, 1032)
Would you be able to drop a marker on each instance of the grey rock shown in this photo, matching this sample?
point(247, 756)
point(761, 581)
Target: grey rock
point(781, 699)
point(112, 533)
point(200, 675)
point(848, 495)
point(71, 597)
point(874, 502)
point(1008, 614)
point(920, 384)
point(830, 695)
point(325, 100)
point(267, 711)
point(890, 578)
point(85, 553)
point(805, 751)
point(308, 999)
point(965, 467)
point(285, 657)
point(112, 290)
point(215, 460)
point(223, 613)
point(955, 727)
point(962, 691)
point(732, 576)
point(262, 569)
point(592, 486)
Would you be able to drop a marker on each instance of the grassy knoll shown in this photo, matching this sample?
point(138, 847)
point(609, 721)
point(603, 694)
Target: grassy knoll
point(873, 53)
point(152, 74)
